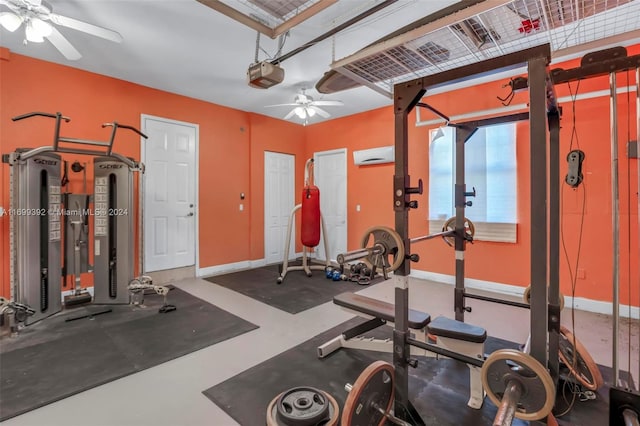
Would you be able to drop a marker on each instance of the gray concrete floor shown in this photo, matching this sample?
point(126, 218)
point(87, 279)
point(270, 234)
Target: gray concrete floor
point(170, 393)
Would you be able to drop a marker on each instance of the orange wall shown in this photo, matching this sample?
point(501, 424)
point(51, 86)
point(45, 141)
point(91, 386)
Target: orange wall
point(232, 145)
point(371, 187)
point(226, 146)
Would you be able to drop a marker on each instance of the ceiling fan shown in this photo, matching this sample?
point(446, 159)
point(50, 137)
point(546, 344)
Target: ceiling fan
point(305, 107)
point(37, 17)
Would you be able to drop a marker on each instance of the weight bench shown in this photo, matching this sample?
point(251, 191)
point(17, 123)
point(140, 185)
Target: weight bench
point(452, 335)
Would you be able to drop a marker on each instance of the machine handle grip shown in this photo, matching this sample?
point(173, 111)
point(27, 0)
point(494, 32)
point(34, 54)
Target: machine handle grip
point(124, 126)
point(41, 114)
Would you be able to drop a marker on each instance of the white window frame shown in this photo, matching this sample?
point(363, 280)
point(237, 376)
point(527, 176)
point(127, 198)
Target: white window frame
point(505, 232)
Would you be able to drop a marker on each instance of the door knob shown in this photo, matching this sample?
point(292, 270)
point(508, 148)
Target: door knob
point(190, 214)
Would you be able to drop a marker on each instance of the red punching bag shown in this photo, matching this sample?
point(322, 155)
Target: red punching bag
point(310, 233)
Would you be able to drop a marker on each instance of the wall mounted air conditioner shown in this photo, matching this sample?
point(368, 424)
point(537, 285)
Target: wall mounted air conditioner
point(384, 154)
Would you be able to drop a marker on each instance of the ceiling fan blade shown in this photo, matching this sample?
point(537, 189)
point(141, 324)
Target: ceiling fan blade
point(14, 8)
point(94, 30)
point(63, 45)
point(291, 114)
point(279, 105)
point(322, 113)
point(327, 103)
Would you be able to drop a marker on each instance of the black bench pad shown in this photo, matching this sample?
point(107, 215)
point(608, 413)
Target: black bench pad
point(379, 309)
point(445, 327)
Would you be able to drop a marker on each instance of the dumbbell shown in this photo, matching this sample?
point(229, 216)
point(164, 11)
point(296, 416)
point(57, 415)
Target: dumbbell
point(357, 268)
point(328, 272)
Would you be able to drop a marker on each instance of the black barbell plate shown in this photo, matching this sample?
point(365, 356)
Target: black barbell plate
point(331, 420)
point(302, 406)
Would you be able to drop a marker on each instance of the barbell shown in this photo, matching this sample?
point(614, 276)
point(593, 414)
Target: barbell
point(514, 381)
point(383, 246)
point(370, 398)
point(518, 385)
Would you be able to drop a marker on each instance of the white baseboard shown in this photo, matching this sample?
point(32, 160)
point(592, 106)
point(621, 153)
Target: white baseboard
point(581, 303)
point(236, 266)
point(259, 263)
point(223, 269)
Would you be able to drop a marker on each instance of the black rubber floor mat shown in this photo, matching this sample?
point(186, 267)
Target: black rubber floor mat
point(439, 388)
point(297, 293)
point(54, 359)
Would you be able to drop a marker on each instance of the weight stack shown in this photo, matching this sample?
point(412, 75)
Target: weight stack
point(35, 212)
point(113, 231)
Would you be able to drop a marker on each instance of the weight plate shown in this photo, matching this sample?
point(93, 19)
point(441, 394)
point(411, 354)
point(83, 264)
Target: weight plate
point(450, 225)
point(585, 369)
point(390, 242)
point(331, 418)
point(527, 297)
point(538, 390)
point(374, 387)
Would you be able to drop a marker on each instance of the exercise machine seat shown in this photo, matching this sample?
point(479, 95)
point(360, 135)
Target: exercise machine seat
point(379, 309)
point(446, 327)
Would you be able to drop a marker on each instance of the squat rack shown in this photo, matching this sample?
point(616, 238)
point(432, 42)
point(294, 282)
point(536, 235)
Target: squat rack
point(545, 203)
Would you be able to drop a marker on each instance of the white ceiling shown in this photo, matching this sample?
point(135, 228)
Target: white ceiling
point(184, 47)
point(187, 48)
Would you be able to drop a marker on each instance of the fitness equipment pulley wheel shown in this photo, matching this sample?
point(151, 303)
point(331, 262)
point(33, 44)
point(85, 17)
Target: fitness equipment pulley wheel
point(585, 369)
point(303, 406)
point(518, 385)
point(389, 242)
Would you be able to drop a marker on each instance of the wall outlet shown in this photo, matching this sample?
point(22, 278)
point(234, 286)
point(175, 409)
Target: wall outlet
point(241, 206)
point(358, 207)
point(581, 274)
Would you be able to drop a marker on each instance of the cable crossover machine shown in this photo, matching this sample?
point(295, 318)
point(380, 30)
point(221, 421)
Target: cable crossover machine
point(49, 228)
point(521, 383)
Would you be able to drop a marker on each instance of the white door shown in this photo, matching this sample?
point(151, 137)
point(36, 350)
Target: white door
point(279, 199)
point(330, 172)
point(169, 193)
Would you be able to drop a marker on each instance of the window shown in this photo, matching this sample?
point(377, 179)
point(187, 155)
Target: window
point(490, 168)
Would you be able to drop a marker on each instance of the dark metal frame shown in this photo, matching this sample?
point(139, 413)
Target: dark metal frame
point(542, 101)
point(133, 165)
point(544, 114)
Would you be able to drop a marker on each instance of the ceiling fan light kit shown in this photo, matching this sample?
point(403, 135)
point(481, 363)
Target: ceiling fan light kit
point(10, 21)
point(305, 107)
point(37, 29)
point(39, 20)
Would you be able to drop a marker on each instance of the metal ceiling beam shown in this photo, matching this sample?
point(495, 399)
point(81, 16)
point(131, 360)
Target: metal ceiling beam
point(232, 13)
point(451, 19)
point(302, 16)
point(335, 30)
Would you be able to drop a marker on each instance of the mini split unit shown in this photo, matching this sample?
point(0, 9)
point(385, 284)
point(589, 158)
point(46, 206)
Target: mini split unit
point(384, 154)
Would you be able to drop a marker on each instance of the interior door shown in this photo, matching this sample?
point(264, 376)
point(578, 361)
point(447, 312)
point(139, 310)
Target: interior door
point(169, 194)
point(330, 172)
point(279, 200)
